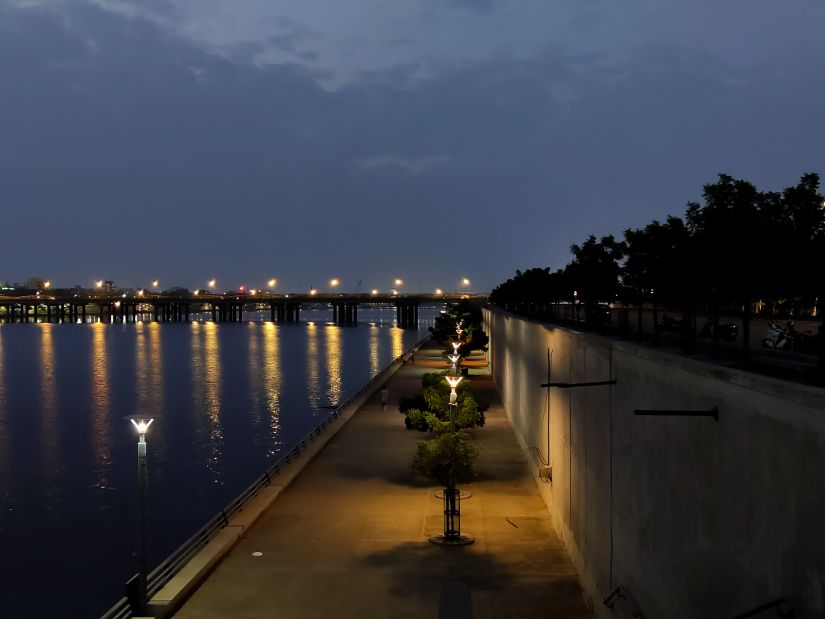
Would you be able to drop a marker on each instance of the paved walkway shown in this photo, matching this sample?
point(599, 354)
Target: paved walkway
point(348, 539)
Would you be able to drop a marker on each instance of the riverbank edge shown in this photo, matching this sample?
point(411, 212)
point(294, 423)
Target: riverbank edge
point(169, 598)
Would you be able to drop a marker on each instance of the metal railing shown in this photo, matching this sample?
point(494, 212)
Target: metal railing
point(164, 572)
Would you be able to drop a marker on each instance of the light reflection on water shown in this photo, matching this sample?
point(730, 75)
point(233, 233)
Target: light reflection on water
point(48, 406)
point(313, 367)
point(272, 385)
point(100, 406)
point(335, 360)
point(229, 400)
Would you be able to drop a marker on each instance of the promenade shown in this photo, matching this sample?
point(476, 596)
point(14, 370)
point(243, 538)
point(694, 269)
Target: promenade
point(348, 538)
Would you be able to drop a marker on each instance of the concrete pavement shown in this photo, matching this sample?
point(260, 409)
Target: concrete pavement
point(348, 538)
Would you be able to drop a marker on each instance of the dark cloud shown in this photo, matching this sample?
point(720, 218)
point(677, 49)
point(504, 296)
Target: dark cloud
point(130, 150)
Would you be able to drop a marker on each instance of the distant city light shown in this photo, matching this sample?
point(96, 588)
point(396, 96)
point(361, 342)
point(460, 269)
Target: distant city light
point(253, 291)
point(47, 284)
point(334, 282)
point(374, 291)
point(99, 283)
point(272, 282)
point(155, 283)
point(212, 283)
point(313, 292)
point(399, 282)
point(439, 291)
point(465, 282)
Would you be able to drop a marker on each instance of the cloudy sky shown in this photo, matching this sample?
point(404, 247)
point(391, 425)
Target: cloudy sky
point(374, 139)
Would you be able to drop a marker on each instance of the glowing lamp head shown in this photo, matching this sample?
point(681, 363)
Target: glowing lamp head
point(253, 292)
point(47, 284)
point(141, 425)
point(99, 283)
point(155, 283)
point(438, 291)
point(454, 358)
point(453, 381)
point(140, 293)
point(271, 283)
point(456, 346)
point(399, 282)
point(465, 282)
point(334, 282)
point(313, 292)
point(374, 291)
point(212, 283)
point(197, 292)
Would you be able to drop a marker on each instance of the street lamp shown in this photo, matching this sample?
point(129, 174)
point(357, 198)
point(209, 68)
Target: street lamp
point(465, 281)
point(272, 282)
point(456, 346)
point(212, 283)
point(454, 361)
point(47, 284)
point(439, 292)
point(334, 282)
point(155, 283)
point(453, 381)
point(141, 424)
point(99, 284)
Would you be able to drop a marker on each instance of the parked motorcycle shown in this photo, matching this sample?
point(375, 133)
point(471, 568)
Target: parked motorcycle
point(727, 331)
point(670, 324)
point(777, 338)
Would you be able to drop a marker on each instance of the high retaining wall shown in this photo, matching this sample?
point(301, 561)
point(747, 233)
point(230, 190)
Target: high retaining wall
point(695, 518)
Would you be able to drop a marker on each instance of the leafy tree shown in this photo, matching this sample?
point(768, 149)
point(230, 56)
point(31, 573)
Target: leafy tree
point(447, 459)
point(595, 271)
point(431, 412)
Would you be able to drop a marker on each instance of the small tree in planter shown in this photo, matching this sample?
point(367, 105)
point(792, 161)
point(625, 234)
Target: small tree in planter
point(448, 459)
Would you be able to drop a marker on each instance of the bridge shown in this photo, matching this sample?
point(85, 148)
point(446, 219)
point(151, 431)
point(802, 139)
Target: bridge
point(70, 306)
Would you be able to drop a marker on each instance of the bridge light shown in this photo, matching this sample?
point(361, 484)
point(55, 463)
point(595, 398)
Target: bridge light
point(272, 282)
point(334, 282)
point(140, 293)
point(439, 291)
point(155, 283)
point(374, 291)
point(399, 282)
point(313, 292)
point(253, 291)
point(212, 283)
point(465, 281)
point(197, 292)
point(47, 284)
point(99, 283)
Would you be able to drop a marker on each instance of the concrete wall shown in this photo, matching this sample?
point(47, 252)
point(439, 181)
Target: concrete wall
point(696, 518)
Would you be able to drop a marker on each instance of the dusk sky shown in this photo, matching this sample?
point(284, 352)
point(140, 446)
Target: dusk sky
point(372, 139)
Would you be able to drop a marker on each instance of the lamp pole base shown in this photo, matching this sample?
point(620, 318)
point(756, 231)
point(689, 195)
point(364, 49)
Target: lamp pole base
point(452, 540)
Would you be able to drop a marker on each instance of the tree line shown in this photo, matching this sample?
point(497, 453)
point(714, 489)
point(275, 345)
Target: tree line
point(740, 250)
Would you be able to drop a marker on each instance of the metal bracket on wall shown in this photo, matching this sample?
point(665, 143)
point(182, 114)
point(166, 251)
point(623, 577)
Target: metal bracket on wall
point(782, 606)
point(572, 385)
point(713, 412)
point(620, 593)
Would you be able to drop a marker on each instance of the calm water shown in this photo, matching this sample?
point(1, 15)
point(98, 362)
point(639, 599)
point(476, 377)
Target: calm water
point(229, 400)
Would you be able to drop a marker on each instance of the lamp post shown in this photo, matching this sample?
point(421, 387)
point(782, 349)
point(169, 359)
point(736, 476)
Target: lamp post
point(452, 513)
point(454, 362)
point(141, 424)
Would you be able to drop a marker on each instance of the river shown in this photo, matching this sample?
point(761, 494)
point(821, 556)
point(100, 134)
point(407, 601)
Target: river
point(228, 400)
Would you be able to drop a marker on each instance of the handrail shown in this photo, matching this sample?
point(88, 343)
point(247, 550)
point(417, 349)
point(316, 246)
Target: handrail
point(623, 594)
point(782, 606)
point(164, 572)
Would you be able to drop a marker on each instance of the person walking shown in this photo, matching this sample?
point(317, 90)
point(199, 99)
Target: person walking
point(384, 397)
